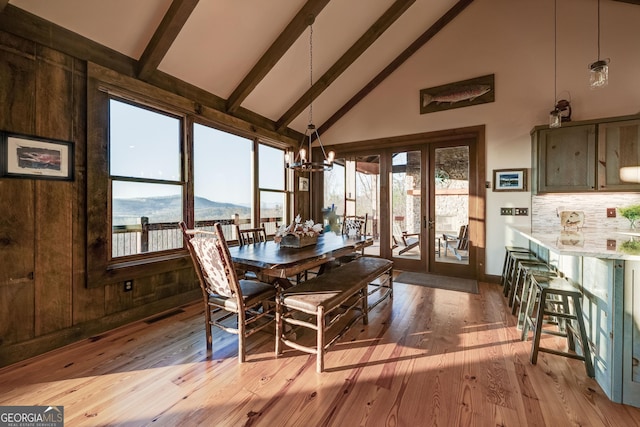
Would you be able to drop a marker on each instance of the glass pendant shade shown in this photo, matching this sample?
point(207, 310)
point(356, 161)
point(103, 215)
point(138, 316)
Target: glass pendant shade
point(555, 120)
point(599, 74)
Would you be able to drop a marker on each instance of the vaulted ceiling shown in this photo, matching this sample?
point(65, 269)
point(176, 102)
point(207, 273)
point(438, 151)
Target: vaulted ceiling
point(249, 59)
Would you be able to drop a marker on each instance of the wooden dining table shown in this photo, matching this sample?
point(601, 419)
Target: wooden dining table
point(279, 263)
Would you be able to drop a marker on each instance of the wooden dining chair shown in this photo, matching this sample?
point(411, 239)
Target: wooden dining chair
point(353, 226)
point(247, 236)
point(237, 306)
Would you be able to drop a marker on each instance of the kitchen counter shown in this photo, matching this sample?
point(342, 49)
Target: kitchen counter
point(604, 264)
point(620, 244)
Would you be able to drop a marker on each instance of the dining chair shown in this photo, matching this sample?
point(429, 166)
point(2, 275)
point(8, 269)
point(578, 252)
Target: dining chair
point(237, 306)
point(247, 236)
point(457, 243)
point(353, 226)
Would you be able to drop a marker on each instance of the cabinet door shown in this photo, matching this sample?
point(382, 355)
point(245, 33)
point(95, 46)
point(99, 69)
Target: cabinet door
point(631, 350)
point(619, 155)
point(567, 159)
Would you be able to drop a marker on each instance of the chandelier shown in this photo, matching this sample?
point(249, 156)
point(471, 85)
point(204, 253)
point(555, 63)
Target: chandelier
point(302, 161)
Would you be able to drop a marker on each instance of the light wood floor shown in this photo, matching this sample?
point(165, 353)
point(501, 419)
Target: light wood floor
point(431, 357)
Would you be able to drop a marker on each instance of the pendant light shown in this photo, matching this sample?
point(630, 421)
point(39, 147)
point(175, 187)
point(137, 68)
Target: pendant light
point(599, 70)
point(554, 115)
point(302, 162)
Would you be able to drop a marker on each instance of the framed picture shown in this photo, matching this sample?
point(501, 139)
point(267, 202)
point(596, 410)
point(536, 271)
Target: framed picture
point(303, 184)
point(35, 158)
point(509, 180)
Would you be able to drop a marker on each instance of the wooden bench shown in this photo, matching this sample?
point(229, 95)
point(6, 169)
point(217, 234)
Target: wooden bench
point(328, 298)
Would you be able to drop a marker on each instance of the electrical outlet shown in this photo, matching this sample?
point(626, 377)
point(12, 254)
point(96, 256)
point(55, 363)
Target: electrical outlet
point(506, 211)
point(521, 211)
point(128, 285)
point(611, 212)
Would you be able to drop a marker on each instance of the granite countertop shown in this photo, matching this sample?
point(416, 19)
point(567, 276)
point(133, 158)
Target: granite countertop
point(608, 243)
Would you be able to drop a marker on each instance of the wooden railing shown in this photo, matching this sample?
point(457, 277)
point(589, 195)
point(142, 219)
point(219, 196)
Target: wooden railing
point(154, 237)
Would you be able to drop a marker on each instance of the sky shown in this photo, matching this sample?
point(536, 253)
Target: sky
point(144, 144)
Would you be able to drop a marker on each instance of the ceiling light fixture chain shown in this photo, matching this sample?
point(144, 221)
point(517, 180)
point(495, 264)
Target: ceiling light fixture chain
point(302, 163)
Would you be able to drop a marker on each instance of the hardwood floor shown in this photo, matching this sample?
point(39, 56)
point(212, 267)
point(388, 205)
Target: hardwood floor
point(429, 357)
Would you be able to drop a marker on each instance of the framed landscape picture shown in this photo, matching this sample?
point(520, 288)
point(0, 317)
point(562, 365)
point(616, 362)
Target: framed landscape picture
point(510, 180)
point(33, 157)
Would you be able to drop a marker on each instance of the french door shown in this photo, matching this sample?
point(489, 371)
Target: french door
point(424, 201)
point(429, 208)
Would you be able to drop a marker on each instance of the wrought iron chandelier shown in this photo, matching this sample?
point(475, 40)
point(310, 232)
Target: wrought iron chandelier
point(303, 161)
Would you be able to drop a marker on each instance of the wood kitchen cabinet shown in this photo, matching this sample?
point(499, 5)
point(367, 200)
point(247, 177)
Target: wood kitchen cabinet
point(619, 155)
point(594, 155)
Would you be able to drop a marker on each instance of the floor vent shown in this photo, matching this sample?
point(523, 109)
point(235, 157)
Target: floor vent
point(164, 316)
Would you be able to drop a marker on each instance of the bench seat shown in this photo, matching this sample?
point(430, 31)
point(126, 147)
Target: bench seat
point(328, 298)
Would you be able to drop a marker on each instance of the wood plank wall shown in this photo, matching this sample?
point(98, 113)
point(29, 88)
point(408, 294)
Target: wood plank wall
point(44, 298)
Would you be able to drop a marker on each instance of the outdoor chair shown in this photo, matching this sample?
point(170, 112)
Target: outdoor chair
point(237, 306)
point(457, 243)
point(405, 240)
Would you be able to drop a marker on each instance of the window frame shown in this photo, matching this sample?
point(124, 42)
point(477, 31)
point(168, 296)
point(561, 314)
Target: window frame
point(182, 182)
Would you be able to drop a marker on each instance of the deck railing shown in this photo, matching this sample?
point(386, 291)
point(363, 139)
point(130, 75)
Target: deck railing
point(154, 237)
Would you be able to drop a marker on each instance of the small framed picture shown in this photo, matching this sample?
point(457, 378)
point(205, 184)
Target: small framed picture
point(35, 158)
point(510, 180)
point(303, 184)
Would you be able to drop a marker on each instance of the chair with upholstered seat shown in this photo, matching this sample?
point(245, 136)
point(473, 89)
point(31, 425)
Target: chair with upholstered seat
point(237, 306)
point(353, 226)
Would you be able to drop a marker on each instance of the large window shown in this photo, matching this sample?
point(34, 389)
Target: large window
point(223, 179)
point(147, 185)
point(236, 180)
point(271, 183)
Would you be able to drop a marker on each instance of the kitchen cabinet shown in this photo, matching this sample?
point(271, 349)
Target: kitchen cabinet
point(589, 156)
point(619, 155)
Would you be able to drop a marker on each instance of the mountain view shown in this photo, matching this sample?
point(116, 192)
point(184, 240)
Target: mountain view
point(169, 209)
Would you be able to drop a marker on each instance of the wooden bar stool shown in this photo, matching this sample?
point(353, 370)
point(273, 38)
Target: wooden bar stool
point(554, 297)
point(524, 295)
point(524, 267)
point(508, 250)
point(515, 258)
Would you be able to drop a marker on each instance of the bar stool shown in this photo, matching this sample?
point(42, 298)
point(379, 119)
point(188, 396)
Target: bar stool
point(515, 259)
point(549, 296)
point(524, 268)
point(524, 295)
point(508, 250)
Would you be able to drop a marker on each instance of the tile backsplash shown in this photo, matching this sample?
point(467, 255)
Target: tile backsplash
point(545, 208)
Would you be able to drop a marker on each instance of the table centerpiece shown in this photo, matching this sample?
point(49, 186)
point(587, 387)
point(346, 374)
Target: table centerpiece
point(298, 234)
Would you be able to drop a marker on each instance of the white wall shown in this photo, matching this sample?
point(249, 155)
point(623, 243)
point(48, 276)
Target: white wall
point(513, 39)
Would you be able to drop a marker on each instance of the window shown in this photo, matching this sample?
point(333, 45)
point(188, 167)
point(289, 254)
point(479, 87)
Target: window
point(223, 179)
point(271, 183)
point(145, 175)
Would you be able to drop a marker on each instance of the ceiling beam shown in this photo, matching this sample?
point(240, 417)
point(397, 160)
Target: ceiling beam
point(271, 57)
point(31, 27)
point(28, 26)
point(165, 35)
point(396, 63)
point(371, 35)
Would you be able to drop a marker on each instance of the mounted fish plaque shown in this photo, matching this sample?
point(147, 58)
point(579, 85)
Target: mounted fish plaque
point(456, 95)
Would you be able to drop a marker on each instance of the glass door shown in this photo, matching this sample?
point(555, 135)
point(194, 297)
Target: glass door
point(449, 213)
point(407, 209)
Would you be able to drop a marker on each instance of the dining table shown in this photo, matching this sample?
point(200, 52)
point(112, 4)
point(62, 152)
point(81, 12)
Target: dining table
point(279, 263)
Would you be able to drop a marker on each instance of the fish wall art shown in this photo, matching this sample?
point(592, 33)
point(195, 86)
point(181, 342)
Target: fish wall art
point(464, 93)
